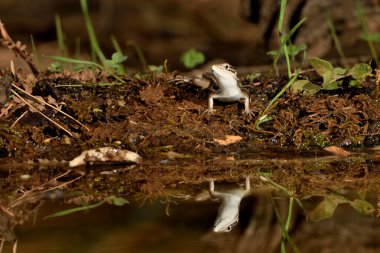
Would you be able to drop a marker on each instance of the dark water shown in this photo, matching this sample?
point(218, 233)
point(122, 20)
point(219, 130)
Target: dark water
point(308, 203)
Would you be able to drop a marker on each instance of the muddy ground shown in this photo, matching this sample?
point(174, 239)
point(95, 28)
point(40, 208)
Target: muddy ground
point(152, 112)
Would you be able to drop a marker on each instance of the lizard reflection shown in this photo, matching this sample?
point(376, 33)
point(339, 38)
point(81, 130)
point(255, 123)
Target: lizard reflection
point(228, 213)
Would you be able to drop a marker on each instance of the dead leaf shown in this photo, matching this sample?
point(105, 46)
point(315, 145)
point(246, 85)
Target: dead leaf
point(105, 154)
point(173, 155)
point(229, 139)
point(337, 151)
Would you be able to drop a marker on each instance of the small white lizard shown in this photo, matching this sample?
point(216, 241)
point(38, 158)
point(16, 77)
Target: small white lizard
point(228, 83)
point(228, 213)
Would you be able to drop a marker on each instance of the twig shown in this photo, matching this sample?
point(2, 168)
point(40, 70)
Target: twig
point(51, 106)
point(34, 108)
point(17, 120)
point(26, 194)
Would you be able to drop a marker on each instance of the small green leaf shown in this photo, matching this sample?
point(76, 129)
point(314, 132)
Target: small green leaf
point(156, 69)
point(362, 206)
point(322, 67)
point(360, 71)
point(296, 49)
point(191, 58)
point(118, 201)
point(273, 53)
point(252, 77)
point(355, 84)
point(340, 71)
point(305, 86)
point(55, 67)
point(325, 209)
point(332, 86)
point(118, 57)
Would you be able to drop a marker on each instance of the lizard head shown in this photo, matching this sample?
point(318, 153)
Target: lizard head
point(225, 222)
point(224, 70)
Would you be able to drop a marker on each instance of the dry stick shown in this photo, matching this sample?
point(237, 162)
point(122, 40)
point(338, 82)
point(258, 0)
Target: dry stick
point(51, 106)
point(34, 108)
point(17, 120)
point(25, 194)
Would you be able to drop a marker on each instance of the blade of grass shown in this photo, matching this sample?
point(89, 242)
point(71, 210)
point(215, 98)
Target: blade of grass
point(77, 46)
point(91, 33)
point(116, 44)
point(73, 210)
point(281, 17)
point(282, 38)
point(287, 38)
point(334, 36)
point(139, 54)
point(60, 36)
point(76, 61)
point(35, 53)
point(363, 24)
point(269, 106)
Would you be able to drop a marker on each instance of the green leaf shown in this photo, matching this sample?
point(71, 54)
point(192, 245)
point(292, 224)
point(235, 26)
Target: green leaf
point(253, 76)
point(72, 210)
point(322, 67)
point(118, 201)
point(118, 57)
point(191, 58)
point(296, 49)
point(156, 69)
point(355, 84)
point(362, 206)
point(360, 71)
point(55, 67)
point(325, 209)
point(274, 53)
point(375, 37)
point(332, 86)
point(305, 86)
point(340, 71)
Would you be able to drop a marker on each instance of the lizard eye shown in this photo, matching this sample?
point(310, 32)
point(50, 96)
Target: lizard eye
point(229, 228)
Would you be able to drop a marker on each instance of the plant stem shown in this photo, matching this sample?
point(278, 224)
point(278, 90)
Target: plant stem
point(336, 40)
point(291, 81)
point(91, 33)
point(60, 36)
point(35, 52)
point(363, 24)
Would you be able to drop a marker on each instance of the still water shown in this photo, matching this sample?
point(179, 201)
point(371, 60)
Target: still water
point(312, 203)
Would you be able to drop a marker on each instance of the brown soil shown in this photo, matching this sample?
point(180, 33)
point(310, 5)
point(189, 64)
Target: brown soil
point(152, 112)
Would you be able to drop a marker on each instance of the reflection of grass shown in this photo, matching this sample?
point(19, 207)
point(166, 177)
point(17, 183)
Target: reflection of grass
point(284, 228)
point(117, 201)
